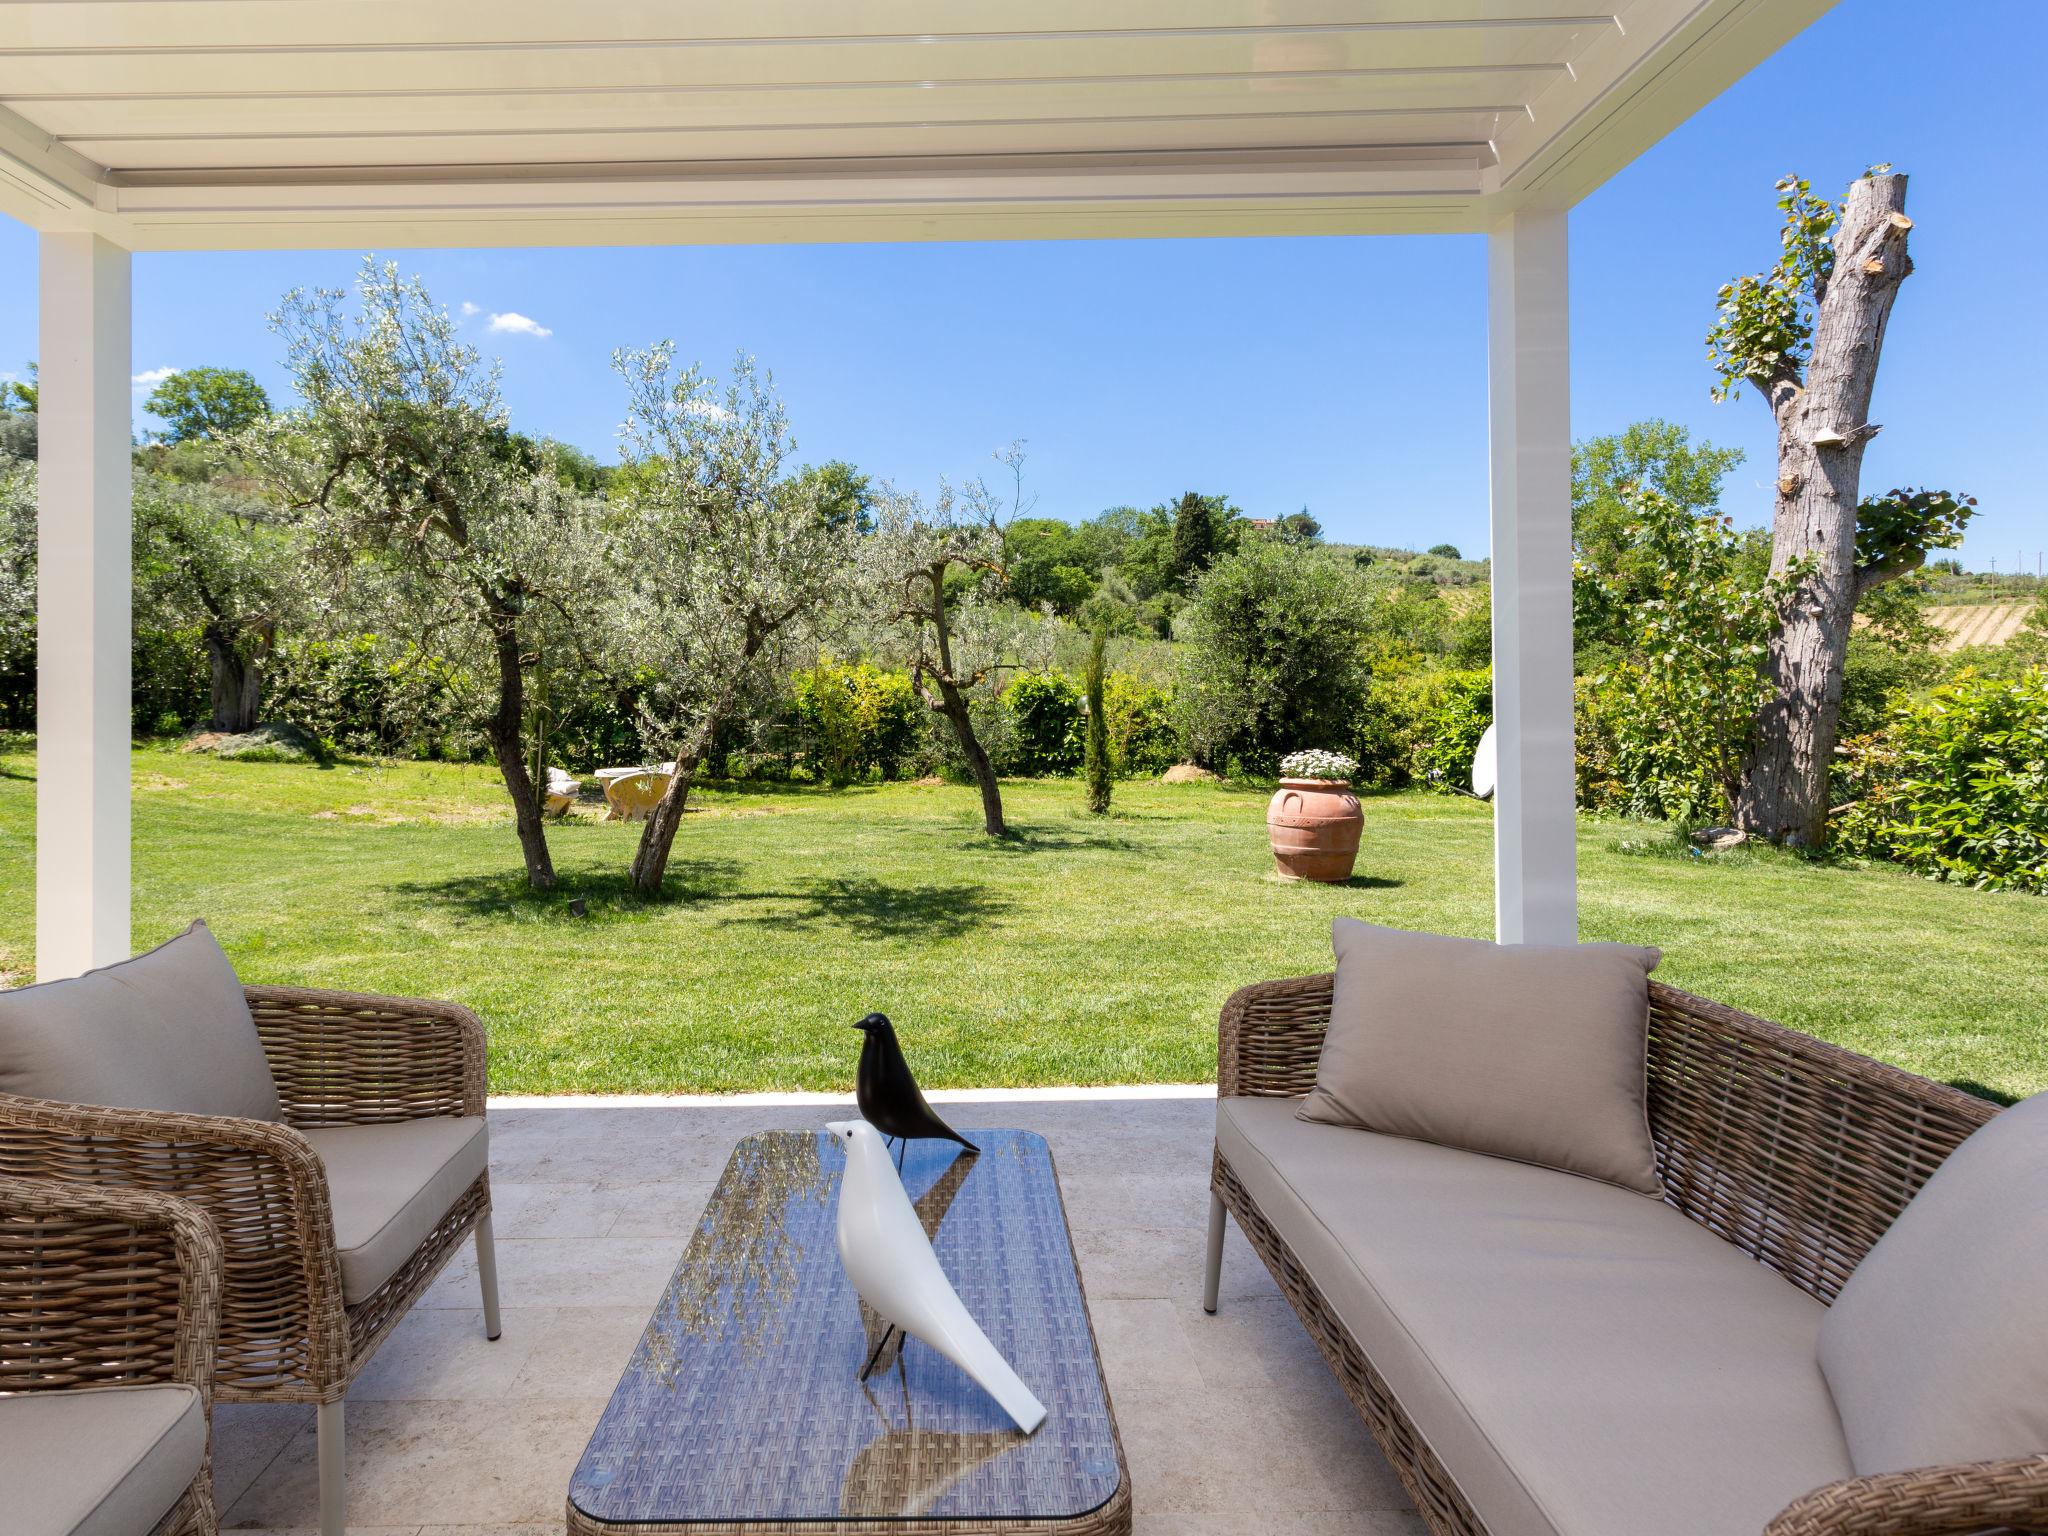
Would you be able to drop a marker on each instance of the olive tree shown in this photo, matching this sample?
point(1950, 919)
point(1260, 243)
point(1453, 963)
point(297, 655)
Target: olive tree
point(416, 496)
point(1806, 335)
point(1275, 658)
point(218, 561)
point(931, 571)
point(723, 555)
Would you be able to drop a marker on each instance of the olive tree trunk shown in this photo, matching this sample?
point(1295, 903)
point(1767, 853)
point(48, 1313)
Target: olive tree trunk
point(950, 700)
point(650, 859)
point(235, 662)
point(503, 729)
point(1823, 426)
point(953, 705)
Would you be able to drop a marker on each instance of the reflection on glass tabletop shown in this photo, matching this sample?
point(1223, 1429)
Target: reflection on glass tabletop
point(743, 1401)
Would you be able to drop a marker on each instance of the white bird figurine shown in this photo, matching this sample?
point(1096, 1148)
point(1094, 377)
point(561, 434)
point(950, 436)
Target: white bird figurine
point(890, 1261)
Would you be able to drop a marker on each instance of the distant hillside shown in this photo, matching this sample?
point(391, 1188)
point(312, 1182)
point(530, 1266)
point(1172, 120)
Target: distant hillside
point(1444, 570)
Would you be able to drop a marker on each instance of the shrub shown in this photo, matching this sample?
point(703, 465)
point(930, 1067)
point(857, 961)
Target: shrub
point(364, 693)
point(1274, 656)
point(1047, 722)
point(170, 684)
point(1456, 708)
point(1139, 717)
point(1634, 759)
point(853, 719)
point(1424, 728)
point(1955, 786)
point(1670, 721)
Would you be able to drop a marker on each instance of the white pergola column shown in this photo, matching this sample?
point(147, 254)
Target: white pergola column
point(1535, 852)
point(83, 584)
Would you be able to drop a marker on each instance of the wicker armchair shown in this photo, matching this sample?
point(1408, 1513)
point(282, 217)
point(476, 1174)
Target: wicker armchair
point(287, 1333)
point(1797, 1152)
point(105, 1288)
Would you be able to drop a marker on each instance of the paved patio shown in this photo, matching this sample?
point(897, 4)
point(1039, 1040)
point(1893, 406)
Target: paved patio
point(451, 1435)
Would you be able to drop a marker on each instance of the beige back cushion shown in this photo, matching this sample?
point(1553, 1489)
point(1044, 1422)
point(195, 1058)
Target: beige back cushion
point(1521, 1051)
point(1937, 1348)
point(168, 1029)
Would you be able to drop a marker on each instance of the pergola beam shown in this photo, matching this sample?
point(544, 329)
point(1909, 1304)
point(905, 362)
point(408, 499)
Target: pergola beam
point(83, 584)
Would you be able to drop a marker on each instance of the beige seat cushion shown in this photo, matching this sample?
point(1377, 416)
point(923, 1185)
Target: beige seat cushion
point(168, 1029)
point(1937, 1348)
point(106, 1462)
point(1532, 1052)
point(390, 1185)
point(1584, 1361)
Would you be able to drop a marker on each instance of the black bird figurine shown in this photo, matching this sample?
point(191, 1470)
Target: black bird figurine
point(889, 1097)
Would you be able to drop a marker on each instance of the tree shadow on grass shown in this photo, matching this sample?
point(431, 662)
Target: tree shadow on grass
point(1049, 839)
point(607, 896)
point(878, 909)
point(786, 789)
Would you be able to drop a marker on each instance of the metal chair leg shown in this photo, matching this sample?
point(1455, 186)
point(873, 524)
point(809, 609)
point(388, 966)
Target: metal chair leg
point(1212, 1276)
point(333, 1478)
point(487, 1274)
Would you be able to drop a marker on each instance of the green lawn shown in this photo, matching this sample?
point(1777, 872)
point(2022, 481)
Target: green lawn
point(1082, 951)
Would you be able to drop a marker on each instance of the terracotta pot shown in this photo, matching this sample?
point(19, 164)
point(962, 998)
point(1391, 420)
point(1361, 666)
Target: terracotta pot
point(1314, 824)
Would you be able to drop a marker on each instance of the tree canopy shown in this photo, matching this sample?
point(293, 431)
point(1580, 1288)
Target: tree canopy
point(208, 403)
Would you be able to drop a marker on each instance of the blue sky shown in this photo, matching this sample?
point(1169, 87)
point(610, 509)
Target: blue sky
point(1343, 375)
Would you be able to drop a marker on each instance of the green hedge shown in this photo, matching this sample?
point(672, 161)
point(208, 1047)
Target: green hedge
point(1955, 785)
point(852, 720)
point(1422, 728)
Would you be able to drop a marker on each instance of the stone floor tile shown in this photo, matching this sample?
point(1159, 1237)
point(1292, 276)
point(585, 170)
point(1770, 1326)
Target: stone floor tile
point(582, 1353)
point(247, 1438)
point(434, 1463)
point(1144, 1353)
point(1164, 1262)
point(441, 1353)
point(568, 1209)
point(668, 1208)
point(556, 1272)
point(1321, 1522)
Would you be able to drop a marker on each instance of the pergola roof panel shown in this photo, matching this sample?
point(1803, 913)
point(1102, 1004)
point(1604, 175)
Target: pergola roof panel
point(281, 122)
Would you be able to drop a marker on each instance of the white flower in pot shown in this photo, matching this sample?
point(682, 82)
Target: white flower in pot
point(1314, 821)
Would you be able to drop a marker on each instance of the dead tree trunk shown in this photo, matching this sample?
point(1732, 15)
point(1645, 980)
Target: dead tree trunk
point(1823, 426)
point(503, 729)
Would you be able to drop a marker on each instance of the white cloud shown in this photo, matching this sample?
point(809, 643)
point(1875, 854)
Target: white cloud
point(469, 309)
point(512, 320)
point(710, 410)
point(149, 378)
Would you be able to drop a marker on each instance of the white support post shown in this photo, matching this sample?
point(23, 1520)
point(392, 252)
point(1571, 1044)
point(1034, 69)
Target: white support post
point(83, 583)
point(1535, 851)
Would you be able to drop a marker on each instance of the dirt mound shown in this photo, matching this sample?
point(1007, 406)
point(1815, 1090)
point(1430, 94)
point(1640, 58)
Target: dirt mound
point(272, 742)
point(1188, 773)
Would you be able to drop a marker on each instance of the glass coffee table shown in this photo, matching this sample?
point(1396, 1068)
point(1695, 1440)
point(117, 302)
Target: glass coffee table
point(743, 1410)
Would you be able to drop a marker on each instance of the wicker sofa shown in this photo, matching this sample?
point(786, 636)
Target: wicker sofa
point(334, 1218)
point(1461, 1315)
point(109, 1306)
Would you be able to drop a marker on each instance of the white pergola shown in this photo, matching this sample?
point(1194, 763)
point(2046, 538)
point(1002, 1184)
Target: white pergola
point(154, 125)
